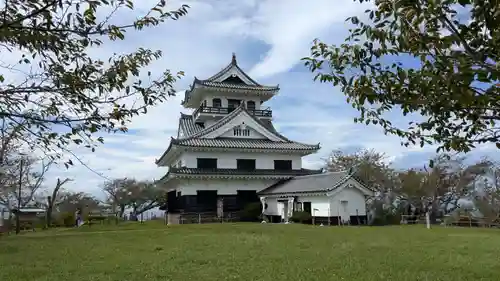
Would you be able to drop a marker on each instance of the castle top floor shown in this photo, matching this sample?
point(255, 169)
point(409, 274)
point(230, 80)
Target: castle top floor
point(228, 89)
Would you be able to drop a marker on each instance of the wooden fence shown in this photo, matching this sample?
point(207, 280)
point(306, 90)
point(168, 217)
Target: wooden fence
point(212, 217)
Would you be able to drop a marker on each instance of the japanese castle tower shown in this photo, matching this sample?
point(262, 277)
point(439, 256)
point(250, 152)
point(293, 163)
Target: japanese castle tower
point(227, 150)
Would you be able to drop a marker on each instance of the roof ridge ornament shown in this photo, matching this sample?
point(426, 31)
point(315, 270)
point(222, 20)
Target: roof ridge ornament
point(233, 59)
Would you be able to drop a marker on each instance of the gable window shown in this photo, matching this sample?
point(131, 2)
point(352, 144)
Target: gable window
point(283, 165)
point(250, 105)
point(234, 80)
point(245, 164)
point(206, 163)
point(216, 103)
point(239, 132)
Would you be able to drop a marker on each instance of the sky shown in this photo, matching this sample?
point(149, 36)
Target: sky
point(269, 38)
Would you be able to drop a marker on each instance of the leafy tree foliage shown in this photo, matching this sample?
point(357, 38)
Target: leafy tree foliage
point(440, 190)
point(57, 91)
point(369, 166)
point(452, 80)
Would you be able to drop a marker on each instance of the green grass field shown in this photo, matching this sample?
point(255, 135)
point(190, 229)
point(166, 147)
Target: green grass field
point(251, 252)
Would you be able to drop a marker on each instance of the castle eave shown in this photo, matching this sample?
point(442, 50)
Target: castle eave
point(193, 96)
point(170, 154)
point(246, 144)
point(235, 173)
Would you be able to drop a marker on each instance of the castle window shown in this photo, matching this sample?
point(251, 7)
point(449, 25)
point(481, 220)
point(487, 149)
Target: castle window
point(283, 165)
point(206, 163)
point(245, 164)
point(216, 103)
point(251, 105)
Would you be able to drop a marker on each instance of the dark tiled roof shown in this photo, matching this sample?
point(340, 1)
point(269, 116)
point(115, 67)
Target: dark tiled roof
point(266, 124)
point(228, 86)
point(188, 126)
point(232, 64)
point(198, 171)
point(324, 182)
point(235, 86)
point(192, 136)
point(211, 82)
point(311, 183)
point(245, 143)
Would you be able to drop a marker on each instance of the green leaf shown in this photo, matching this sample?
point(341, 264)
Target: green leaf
point(464, 2)
point(384, 65)
point(70, 87)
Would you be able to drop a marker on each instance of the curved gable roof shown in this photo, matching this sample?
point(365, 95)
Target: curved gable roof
point(228, 68)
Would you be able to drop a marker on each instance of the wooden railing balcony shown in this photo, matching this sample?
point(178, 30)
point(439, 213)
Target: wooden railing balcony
point(226, 110)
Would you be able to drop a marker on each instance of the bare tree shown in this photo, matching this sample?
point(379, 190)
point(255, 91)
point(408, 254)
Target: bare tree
point(117, 194)
point(144, 196)
point(141, 196)
point(69, 202)
point(22, 177)
point(439, 189)
point(487, 195)
point(51, 200)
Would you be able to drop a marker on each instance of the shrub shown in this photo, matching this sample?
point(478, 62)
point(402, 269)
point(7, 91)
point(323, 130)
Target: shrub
point(252, 212)
point(68, 219)
point(386, 217)
point(57, 220)
point(301, 217)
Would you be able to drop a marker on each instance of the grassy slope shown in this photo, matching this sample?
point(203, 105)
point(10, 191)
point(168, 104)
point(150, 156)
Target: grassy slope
point(252, 252)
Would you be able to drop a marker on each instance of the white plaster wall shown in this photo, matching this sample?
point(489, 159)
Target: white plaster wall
point(223, 187)
point(228, 159)
point(179, 162)
point(272, 207)
point(355, 201)
point(321, 203)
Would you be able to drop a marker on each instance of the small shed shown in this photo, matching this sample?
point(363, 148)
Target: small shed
point(30, 217)
point(330, 198)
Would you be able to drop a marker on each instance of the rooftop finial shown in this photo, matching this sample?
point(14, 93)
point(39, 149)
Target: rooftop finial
point(233, 60)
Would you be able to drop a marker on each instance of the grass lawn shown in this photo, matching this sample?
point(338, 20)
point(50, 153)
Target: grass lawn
point(252, 252)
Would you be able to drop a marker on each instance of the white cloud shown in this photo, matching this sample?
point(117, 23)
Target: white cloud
point(288, 27)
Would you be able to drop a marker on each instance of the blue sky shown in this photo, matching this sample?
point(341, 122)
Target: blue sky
point(269, 37)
